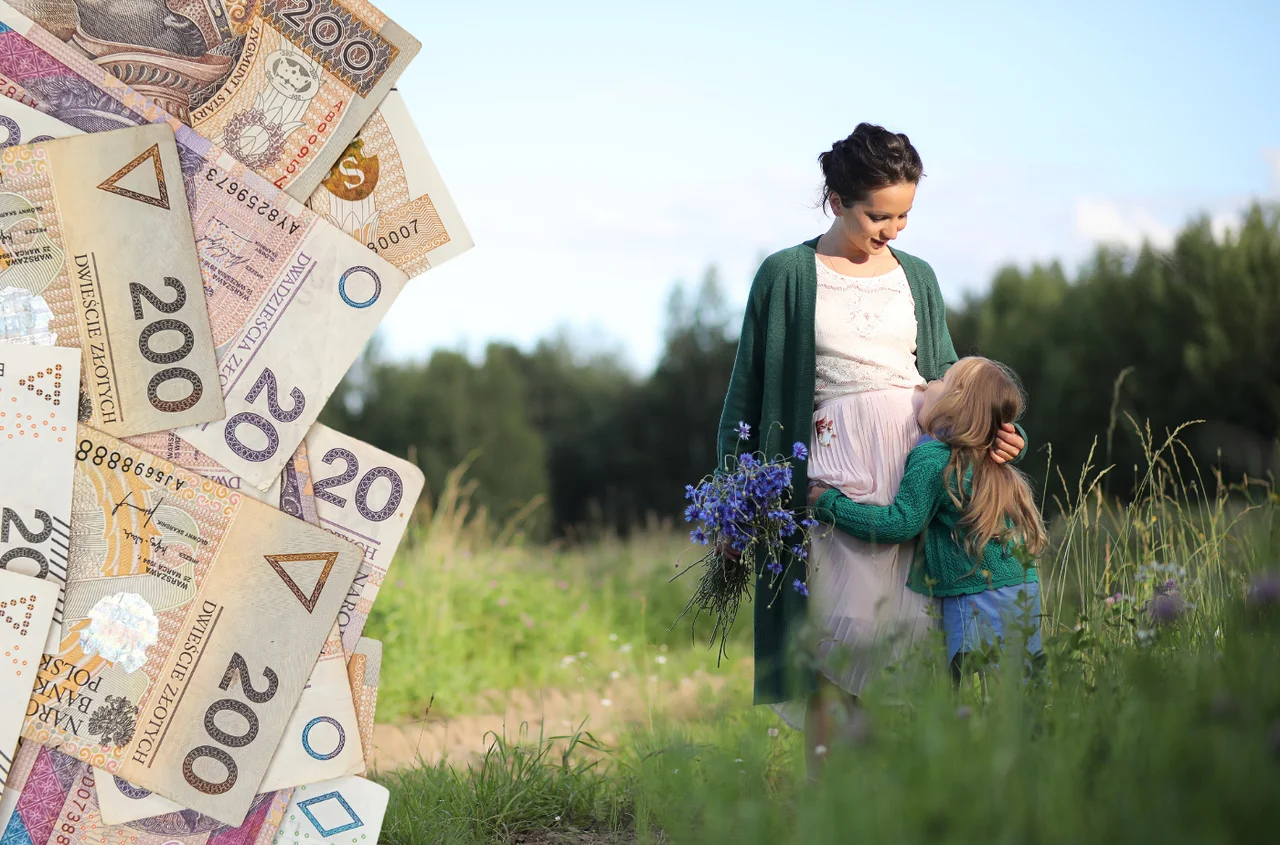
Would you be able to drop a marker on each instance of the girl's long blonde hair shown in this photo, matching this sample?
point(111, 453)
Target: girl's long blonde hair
point(999, 504)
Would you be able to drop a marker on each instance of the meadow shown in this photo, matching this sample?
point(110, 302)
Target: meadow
point(1157, 717)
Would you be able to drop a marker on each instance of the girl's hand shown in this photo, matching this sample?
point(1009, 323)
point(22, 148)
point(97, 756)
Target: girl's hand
point(816, 489)
point(1008, 444)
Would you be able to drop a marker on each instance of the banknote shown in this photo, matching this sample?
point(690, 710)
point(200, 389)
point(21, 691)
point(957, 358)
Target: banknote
point(25, 124)
point(284, 85)
point(334, 812)
point(385, 192)
point(194, 616)
point(366, 496)
point(277, 277)
point(26, 611)
point(89, 227)
point(293, 493)
point(364, 671)
point(322, 739)
point(57, 803)
point(37, 465)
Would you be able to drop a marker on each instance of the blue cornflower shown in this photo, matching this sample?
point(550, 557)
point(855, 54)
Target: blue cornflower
point(690, 491)
point(744, 431)
point(810, 522)
point(698, 536)
point(799, 451)
point(747, 462)
point(800, 587)
point(800, 552)
point(691, 513)
point(775, 568)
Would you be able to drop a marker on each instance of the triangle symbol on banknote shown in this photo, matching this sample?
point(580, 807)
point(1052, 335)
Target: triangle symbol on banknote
point(136, 182)
point(300, 570)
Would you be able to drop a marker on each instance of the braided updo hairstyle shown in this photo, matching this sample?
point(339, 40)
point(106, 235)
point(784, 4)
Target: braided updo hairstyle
point(871, 158)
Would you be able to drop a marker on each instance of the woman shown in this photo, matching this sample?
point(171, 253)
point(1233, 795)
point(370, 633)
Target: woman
point(839, 331)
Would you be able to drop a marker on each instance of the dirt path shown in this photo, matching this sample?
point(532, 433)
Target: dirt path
point(554, 712)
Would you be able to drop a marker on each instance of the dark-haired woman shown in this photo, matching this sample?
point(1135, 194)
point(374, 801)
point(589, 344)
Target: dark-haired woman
point(839, 333)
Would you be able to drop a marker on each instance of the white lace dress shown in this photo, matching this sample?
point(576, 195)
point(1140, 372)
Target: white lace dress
point(863, 427)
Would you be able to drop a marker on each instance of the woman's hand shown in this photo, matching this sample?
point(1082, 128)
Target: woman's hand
point(1008, 445)
point(816, 489)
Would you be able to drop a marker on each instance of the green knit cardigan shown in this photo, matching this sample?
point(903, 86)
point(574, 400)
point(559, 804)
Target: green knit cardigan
point(772, 390)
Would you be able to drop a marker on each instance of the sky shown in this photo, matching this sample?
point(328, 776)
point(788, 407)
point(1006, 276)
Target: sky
point(601, 152)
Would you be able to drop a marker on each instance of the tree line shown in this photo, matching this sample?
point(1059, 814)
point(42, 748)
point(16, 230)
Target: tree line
point(1157, 336)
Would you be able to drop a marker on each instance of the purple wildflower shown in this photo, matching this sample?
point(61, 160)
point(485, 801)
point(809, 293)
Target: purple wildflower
point(1165, 609)
point(799, 451)
point(698, 536)
point(775, 568)
point(690, 491)
point(744, 431)
point(691, 513)
point(800, 587)
point(800, 552)
point(747, 462)
point(1265, 589)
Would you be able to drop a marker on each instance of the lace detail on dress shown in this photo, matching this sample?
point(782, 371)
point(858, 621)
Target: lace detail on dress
point(865, 333)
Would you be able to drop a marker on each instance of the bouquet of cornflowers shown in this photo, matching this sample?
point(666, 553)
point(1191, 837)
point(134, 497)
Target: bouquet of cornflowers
point(745, 508)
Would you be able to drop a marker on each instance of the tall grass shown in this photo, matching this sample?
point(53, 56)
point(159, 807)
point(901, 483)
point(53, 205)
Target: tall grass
point(1144, 727)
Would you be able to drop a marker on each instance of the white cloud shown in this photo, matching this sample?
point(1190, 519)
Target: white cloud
point(1272, 155)
point(1103, 221)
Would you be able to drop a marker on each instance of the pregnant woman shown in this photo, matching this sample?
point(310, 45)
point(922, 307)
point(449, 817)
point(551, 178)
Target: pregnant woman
point(839, 333)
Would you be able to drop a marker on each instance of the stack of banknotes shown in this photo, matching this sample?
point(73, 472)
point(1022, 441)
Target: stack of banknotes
point(206, 208)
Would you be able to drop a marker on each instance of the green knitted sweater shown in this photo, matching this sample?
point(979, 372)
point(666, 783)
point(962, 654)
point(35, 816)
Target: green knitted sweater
point(923, 504)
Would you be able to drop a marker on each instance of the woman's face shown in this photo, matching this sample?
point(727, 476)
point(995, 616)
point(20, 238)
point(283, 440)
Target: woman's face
point(871, 223)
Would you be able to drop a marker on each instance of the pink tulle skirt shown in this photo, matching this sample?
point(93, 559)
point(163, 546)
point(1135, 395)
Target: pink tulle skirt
point(858, 596)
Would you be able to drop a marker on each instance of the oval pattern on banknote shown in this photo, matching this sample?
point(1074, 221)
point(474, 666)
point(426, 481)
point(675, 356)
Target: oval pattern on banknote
point(121, 628)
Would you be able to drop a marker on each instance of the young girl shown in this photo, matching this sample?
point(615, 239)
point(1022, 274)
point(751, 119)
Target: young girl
point(973, 512)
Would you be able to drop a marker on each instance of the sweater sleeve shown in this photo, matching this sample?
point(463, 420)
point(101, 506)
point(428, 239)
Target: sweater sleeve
point(917, 501)
point(746, 383)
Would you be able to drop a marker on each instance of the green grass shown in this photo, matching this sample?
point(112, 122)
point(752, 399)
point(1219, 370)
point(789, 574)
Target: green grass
point(1136, 732)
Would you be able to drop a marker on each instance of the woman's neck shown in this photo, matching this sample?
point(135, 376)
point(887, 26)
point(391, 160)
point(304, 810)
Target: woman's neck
point(834, 244)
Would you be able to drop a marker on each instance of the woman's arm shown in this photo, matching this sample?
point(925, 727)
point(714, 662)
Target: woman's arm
point(917, 501)
point(746, 384)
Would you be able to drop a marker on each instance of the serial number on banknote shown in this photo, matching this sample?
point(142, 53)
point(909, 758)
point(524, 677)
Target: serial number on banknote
point(252, 201)
point(99, 455)
point(395, 236)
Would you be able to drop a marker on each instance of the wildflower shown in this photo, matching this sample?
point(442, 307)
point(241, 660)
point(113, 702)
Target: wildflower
point(615, 674)
point(963, 713)
point(660, 659)
point(744, 431)
point(800, 587)
point(800, 552)
point(582, 654)
point(502, 601)
point(1265, 589)
point(799, 451)
point(568, 658)
point(625, 648)
point(1165, 609)
point(699, 536)
point(773, 731)
point(1110, 600)
point(613, 638)
point(747, 462)
point(775, 567)
point(691, 513)
point(819, 750)
point(737, 759)
point(690, 491)
point(607, 702)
